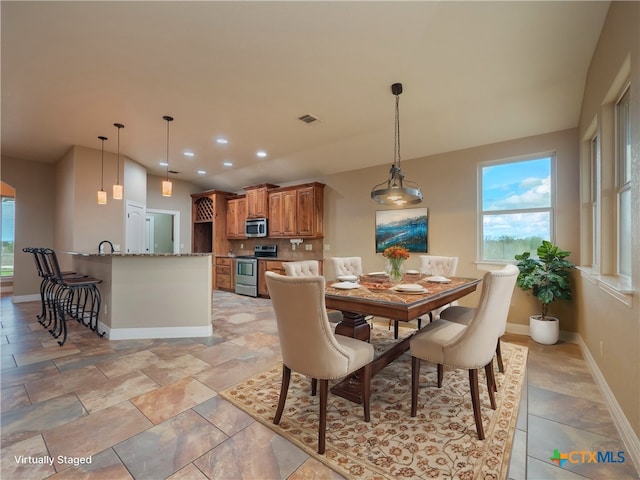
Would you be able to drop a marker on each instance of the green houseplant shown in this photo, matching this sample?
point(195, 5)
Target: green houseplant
point(547, 278)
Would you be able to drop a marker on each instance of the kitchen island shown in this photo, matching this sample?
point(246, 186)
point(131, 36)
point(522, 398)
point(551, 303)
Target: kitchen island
point(151, 295)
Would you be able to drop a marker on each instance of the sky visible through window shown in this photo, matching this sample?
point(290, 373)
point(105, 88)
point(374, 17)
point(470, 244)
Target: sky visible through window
point(509, 188)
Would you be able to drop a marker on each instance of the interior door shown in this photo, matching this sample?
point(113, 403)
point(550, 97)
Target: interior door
point(135, 227)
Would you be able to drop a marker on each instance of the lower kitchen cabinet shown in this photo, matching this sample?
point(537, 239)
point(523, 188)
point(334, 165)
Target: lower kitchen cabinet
point(225, 269)
point(267, 266)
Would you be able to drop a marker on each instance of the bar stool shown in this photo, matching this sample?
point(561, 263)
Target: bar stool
point(73, 295)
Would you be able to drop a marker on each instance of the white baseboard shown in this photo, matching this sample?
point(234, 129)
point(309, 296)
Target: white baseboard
point(26, 298)
point(628, 435)
point(154, 332)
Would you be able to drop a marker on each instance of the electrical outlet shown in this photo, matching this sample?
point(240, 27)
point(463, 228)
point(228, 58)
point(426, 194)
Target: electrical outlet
point(105, 309)
point(308, 246)
point(326, 247)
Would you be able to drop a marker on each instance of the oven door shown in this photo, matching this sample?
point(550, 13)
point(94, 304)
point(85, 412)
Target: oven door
point(246, 271)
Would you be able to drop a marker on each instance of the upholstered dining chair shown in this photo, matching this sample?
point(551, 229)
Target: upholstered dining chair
point(309, 345)
point(463, 316)
point(437, 265)
point(309, 268)
point(347, 265)
point(467, 346)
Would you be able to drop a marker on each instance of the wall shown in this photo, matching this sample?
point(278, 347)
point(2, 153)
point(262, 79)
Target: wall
point(34, 219)
point(601, 316)
point(449, 185)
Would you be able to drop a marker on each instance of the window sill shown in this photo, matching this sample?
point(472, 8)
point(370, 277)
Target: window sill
point(618, 287)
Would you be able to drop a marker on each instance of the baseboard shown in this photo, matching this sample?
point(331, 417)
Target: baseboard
point(26, 298)
point(628, 435)
point(155, 332)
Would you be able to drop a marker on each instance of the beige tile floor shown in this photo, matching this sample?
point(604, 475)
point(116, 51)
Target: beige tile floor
point(149, 409)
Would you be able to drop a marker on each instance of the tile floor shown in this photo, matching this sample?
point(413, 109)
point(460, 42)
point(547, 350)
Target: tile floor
point(149, 409)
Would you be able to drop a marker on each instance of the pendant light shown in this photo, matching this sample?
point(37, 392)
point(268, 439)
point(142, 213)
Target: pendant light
point(166, 184)
point(102, 195)
point(117, 188)
point(396, 190)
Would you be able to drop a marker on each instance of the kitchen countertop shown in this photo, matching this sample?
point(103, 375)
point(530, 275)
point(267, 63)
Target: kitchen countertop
point(119, 254)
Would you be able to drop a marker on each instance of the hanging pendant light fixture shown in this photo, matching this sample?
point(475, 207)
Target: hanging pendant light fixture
point(166, 184)
point(117, 188)
point(102, 195)
point(396, 190)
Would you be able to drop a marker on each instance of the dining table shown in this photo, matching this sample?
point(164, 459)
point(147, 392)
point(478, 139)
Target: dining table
point(373, 296)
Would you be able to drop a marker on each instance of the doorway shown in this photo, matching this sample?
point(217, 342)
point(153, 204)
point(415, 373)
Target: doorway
point(163, 231)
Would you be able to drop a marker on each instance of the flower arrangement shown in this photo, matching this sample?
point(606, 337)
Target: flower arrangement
point(396, 253)
point(395, 256)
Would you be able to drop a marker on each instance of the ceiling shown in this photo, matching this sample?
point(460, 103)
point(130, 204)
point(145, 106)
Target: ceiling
point(473, 73)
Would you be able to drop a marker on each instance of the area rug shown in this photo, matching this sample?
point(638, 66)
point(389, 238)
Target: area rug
point(440, 442)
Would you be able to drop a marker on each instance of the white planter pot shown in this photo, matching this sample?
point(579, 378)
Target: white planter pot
point(546, 331)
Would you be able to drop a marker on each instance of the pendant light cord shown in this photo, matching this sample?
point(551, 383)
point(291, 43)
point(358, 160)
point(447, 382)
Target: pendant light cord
point(102, 163)
point(396, 153)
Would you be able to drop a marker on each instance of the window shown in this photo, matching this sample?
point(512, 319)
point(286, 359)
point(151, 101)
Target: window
point(623, 182)
point(516, 205)
point(595, 208)
point(8, 215)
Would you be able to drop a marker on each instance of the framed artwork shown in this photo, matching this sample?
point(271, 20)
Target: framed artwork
point(406, 228)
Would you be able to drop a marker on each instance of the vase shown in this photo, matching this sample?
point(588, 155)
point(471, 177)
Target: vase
point(395, 269)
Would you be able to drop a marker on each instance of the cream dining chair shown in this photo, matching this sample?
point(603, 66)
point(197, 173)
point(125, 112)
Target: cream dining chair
point(309, 345)
point(470, 347)
point(309, 268)
point(437, 265)
point(347, 265)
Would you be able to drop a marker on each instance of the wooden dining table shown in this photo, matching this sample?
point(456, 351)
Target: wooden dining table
point(382, 300)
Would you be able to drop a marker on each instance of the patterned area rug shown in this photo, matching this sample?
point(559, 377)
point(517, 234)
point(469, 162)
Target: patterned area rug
point(441, 442)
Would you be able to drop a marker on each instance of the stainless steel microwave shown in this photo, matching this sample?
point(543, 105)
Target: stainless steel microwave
point(256, 227)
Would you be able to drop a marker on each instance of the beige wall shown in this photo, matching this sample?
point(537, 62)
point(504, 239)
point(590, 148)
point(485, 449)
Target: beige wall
point(35, 207)
point(449, 185)
point(602, 318)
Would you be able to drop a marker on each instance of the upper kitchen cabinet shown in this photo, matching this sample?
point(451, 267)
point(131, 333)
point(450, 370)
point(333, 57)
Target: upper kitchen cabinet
point(297, 211)
point(236, 217)
point(209, 222)
point(258, 200)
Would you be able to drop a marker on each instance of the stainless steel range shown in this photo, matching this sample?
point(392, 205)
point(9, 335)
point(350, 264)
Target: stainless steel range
point(247, 269)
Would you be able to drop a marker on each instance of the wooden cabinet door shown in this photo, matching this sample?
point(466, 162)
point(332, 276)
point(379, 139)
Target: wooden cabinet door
point(289, 205)
point(232, 224)
point(257, 201)
point(267, 266)
point(241, 217)
point(306, 211)
point(275, 215)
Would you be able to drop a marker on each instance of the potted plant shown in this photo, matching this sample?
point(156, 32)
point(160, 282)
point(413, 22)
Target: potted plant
point(547, 278)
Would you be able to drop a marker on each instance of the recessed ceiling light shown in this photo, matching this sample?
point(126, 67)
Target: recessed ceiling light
point(201, 172)
point(261, 153)
point(189, 154)
point(164, 164)
point(228, 164)
point(222, 141)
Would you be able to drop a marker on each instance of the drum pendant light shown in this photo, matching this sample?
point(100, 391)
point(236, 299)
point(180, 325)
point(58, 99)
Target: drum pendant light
point(102, 195)
point(396, 190)
point(117, 188)
point(166, 184)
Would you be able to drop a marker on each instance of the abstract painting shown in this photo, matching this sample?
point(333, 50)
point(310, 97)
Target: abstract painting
point(406, 228)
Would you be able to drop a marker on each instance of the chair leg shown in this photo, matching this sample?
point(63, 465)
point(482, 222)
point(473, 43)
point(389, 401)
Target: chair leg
point(284, 388)
point(322, 427)
point(314, 386)
point(440, 374)
point(491, 383)
point(415, 380)
point(475, 401)
point(365, 380)
point(499, 355)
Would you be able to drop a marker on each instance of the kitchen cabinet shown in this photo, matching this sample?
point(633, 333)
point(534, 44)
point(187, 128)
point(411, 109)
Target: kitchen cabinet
point(267, 266)
point(258, 200)
point(236, 217)
point(297, 211)
point(209, 222)
point(225, 269)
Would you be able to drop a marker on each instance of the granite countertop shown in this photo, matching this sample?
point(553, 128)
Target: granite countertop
point(120, 254)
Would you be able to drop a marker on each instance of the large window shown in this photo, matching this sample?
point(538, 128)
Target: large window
point(6, 259)
point(595, 203)
point(517, 206)
point(623, 182)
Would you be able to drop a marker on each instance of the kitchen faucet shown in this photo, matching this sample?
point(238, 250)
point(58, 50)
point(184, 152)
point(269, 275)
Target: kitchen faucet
point(102, 242)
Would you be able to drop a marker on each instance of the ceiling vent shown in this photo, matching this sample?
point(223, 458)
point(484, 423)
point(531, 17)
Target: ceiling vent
point(173, 172)
point(308, 118)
